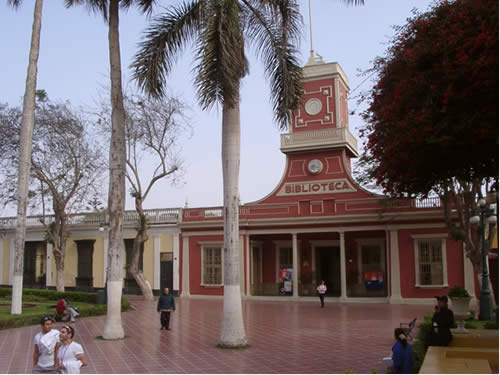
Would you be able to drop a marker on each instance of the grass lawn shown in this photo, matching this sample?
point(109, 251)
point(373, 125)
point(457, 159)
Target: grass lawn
point(33, 311)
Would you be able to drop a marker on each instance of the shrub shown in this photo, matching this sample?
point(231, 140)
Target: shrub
point(422, 342)
point(458, 292)
point(40, 295)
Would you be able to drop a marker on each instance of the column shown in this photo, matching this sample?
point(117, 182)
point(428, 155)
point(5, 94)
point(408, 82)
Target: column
point(1, 260)
point(395, 279)
point(242, 243)
point(105, 256)
point(185, 267)
point(469, 276)
point(176, 261)
point(295, 252)
point(343, 284)
point(247, 268)
point(156, 261)
point(48, 267)
point(12, 258)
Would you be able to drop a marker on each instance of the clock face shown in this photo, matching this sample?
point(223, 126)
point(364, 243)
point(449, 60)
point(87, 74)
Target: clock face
point(315, 166)
point(313, 106)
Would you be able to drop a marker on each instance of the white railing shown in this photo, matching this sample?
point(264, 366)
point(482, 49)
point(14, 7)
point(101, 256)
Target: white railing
point(324, 137)
point(154, 216)
point(426, 202)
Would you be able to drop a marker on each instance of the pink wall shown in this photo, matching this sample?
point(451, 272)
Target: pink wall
point(454, 258)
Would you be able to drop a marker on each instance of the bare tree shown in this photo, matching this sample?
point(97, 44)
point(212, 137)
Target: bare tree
point(153, 128)
point(66, 170)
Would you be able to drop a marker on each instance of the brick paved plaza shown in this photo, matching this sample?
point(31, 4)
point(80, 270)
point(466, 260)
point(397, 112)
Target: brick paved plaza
point(285, 337)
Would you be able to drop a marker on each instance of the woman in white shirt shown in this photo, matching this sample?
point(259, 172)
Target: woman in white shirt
point(70, 356)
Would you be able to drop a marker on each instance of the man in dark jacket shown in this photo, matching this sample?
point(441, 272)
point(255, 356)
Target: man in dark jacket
point(166, 304)
point(442, 321)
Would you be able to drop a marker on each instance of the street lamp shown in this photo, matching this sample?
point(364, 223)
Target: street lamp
point(484, 214)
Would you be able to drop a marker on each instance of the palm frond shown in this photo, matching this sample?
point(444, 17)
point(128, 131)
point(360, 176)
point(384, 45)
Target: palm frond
point(162, 42)
point(274, 28)
point(14, 3)
point(145, 6)
point(220, 55)
point(94, 6)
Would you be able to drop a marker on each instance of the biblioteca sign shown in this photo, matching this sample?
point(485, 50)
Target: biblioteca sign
point(341, 185)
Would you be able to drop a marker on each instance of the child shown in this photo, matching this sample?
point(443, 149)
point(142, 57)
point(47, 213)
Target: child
point(402, 354)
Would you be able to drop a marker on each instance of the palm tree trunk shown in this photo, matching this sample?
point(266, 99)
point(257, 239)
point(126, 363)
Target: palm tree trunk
point(233, 331)
point(113, 328)
point(27, 124)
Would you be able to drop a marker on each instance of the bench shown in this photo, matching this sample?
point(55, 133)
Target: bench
point(459, 360)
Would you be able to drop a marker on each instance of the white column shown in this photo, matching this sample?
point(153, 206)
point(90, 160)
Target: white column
point(12, 258)
point(48, 268)
point(343, 285)
point(1, 259)
point(242, 266)
point(337, 103)
point(156, 261)
point(185, 267)
point(295, 252)
point(395, 279)
point(176, 261)
point(469, 275)
point(105, 258)
point(247, 268)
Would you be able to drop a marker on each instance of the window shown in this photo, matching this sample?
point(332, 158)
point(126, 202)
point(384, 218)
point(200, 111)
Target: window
point(430, 261)
point(212, 266)
point(286, 257)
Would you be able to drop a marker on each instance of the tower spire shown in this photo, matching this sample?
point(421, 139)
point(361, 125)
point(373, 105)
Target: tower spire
point(313, 60)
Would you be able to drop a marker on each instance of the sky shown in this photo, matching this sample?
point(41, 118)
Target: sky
point(74, 65)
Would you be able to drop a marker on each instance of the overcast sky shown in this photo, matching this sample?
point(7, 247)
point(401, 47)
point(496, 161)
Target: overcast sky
point(74, 64)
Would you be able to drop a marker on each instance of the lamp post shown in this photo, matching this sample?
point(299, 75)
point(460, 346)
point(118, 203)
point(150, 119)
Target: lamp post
point(484, 215)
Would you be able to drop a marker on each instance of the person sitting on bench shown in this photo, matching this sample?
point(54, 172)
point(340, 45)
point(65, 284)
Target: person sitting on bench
point(65, 311)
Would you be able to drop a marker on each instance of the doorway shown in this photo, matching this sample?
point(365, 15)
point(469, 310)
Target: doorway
point(167, 271)
point(328, 268)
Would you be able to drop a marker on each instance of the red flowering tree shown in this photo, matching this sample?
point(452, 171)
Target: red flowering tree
point(432, 117)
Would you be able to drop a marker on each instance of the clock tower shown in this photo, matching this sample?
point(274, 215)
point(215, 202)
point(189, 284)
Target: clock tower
point(321, 123)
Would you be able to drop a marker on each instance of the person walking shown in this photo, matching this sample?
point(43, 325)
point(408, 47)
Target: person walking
point(45, 348)
point(321, 292)
point(442, 321)
point(402, 354)
point(166, 304)
point(70, 356)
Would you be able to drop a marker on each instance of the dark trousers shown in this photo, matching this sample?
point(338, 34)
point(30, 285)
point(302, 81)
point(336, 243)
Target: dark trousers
point(165, 319)
point(322, 299)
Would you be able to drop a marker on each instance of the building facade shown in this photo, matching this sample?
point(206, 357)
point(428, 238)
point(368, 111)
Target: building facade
point(317, 224)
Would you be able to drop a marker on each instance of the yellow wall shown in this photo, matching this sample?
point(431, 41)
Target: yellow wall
point(70, 263)
point(166, 243)
point(148, 260)
point(5, 261)
point(41, 259)
point(98, 263)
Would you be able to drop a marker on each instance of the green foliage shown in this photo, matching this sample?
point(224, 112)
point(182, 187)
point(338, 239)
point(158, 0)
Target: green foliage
point(458, 292)
point(46, 299)
point(421, 343)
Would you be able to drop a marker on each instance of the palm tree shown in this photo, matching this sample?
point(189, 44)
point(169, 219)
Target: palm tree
point(27, 124)
point(219, 28)
point(109, 9)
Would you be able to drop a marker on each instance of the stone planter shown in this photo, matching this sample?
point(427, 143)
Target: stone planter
point(461, 311)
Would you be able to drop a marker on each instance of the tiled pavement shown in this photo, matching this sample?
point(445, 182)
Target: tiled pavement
point(285, 337)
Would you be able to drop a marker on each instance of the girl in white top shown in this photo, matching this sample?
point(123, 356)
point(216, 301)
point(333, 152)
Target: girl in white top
point(321, 292)
point(70, 356)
